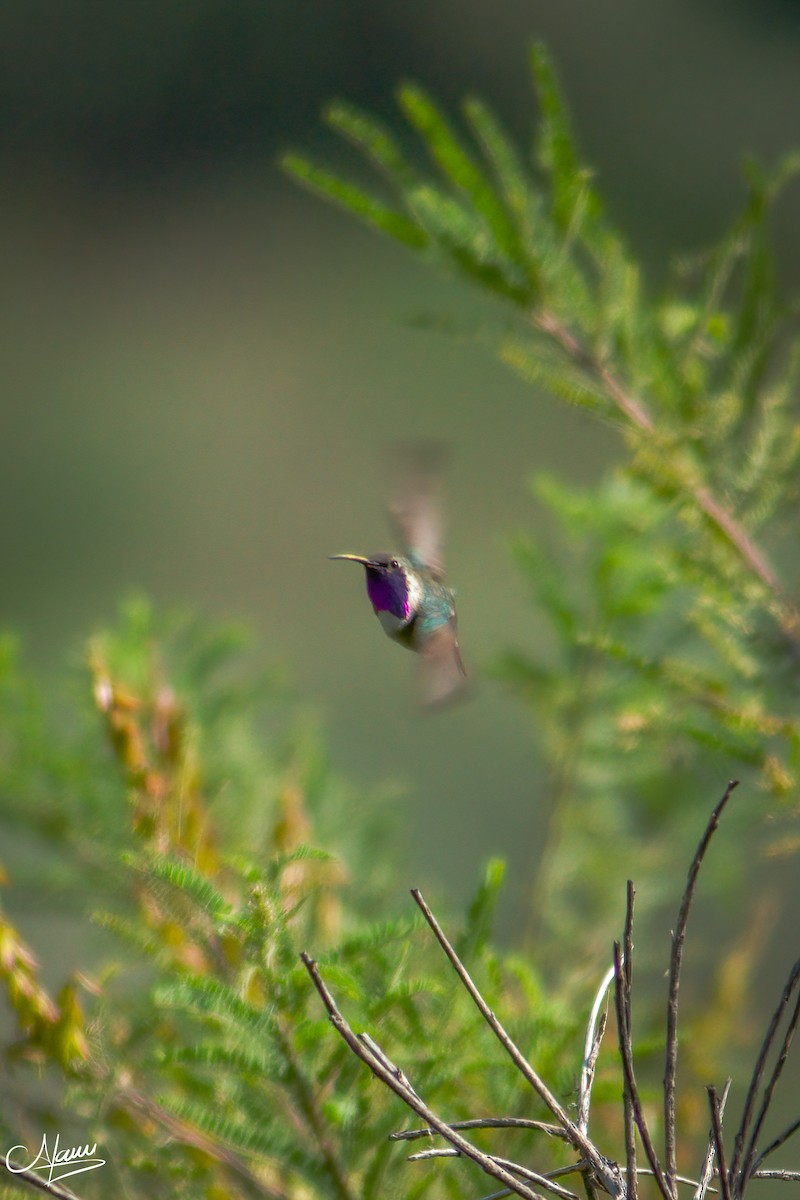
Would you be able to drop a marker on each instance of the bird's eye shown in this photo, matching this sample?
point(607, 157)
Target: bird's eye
point(394, 564)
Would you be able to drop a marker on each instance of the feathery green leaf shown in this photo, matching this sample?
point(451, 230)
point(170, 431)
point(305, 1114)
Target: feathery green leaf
point(348, 195)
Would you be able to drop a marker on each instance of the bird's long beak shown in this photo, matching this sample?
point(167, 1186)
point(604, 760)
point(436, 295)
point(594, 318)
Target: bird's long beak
point(352, 558)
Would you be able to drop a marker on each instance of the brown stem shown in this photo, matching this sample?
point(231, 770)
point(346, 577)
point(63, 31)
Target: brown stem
point(740, 1152)
point(28, 1175)
point(632, 1097)
point(638, 416)
point(748, 1157)
point(719, 1146)
point(676, 957)
point(625, 995)
point(774, 1145)
point(707, 1174)
point(411, 1135)
point(575, 1136)
point(397, 1082)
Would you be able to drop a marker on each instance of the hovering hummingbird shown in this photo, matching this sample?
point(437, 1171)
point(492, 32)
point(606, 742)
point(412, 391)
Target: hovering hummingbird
point(407, 590)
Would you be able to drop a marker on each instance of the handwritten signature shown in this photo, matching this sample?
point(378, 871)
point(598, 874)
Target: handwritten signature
point(58, 1164)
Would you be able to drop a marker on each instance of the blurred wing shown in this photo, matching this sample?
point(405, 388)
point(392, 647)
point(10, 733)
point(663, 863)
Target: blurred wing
point(416, 508)
point(442, 674)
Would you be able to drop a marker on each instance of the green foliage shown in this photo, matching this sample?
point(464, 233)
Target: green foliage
point(673, 648)
point(205, 822)
point(202, 1064)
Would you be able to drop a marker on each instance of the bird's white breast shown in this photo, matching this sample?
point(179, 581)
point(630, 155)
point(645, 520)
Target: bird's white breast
point(391, 623)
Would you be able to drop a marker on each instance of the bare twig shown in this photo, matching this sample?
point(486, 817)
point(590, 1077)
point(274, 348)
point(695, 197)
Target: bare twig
point(627, 949)
point(774, 1145)
point(576, 1168)
point(719, 1147)
point(708, 1166)
point(591, 1048)
point(398, 1084)
point(29, 1176)
point(749, 1154)
point(737, 1171)
point(544, 1181)
point(386, 1062)
point(410, 1135)
point(602, 1168)
point(676, 957)
point(597, 1171)
point(626, 1051)
point(628, 1108)
point(623, 978)
point(683, 1179)
point(435, 1152)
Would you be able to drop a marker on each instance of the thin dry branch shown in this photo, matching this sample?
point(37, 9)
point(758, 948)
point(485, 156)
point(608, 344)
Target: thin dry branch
point(740, 1154)
point(544, 1181)
point(382, 1068)
point(708, 1166)
point(676, 957)
point(749, 1154)
point(719, 1146)
point(410, 1135)
point(606, 1172)
point(631, 1090)
point(683, 1179)
point(599, 1172)
point(29, 1176)
point(627, 991)
point(595, 1029)
point(774, 1145)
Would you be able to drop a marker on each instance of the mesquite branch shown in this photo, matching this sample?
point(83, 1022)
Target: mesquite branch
point(601, 1170)
point(638, 419)
point(676, 958)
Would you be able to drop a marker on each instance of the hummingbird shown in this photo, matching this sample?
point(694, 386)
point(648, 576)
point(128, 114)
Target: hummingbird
point(407, 590)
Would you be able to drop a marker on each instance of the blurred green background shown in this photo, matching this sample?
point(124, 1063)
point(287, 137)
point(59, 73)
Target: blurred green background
point(203, 366)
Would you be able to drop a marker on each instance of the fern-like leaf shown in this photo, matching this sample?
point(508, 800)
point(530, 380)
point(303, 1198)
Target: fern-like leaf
point(374, 139)
point(458, 166)
point(353, 198)
point(569, 181)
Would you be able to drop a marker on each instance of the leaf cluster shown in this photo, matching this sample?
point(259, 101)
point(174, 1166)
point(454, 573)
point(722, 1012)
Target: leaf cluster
point(198, 1056)
point(216, 842)
point(673, 640)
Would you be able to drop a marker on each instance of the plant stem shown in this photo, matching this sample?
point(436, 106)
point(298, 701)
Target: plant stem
point(636, 414)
